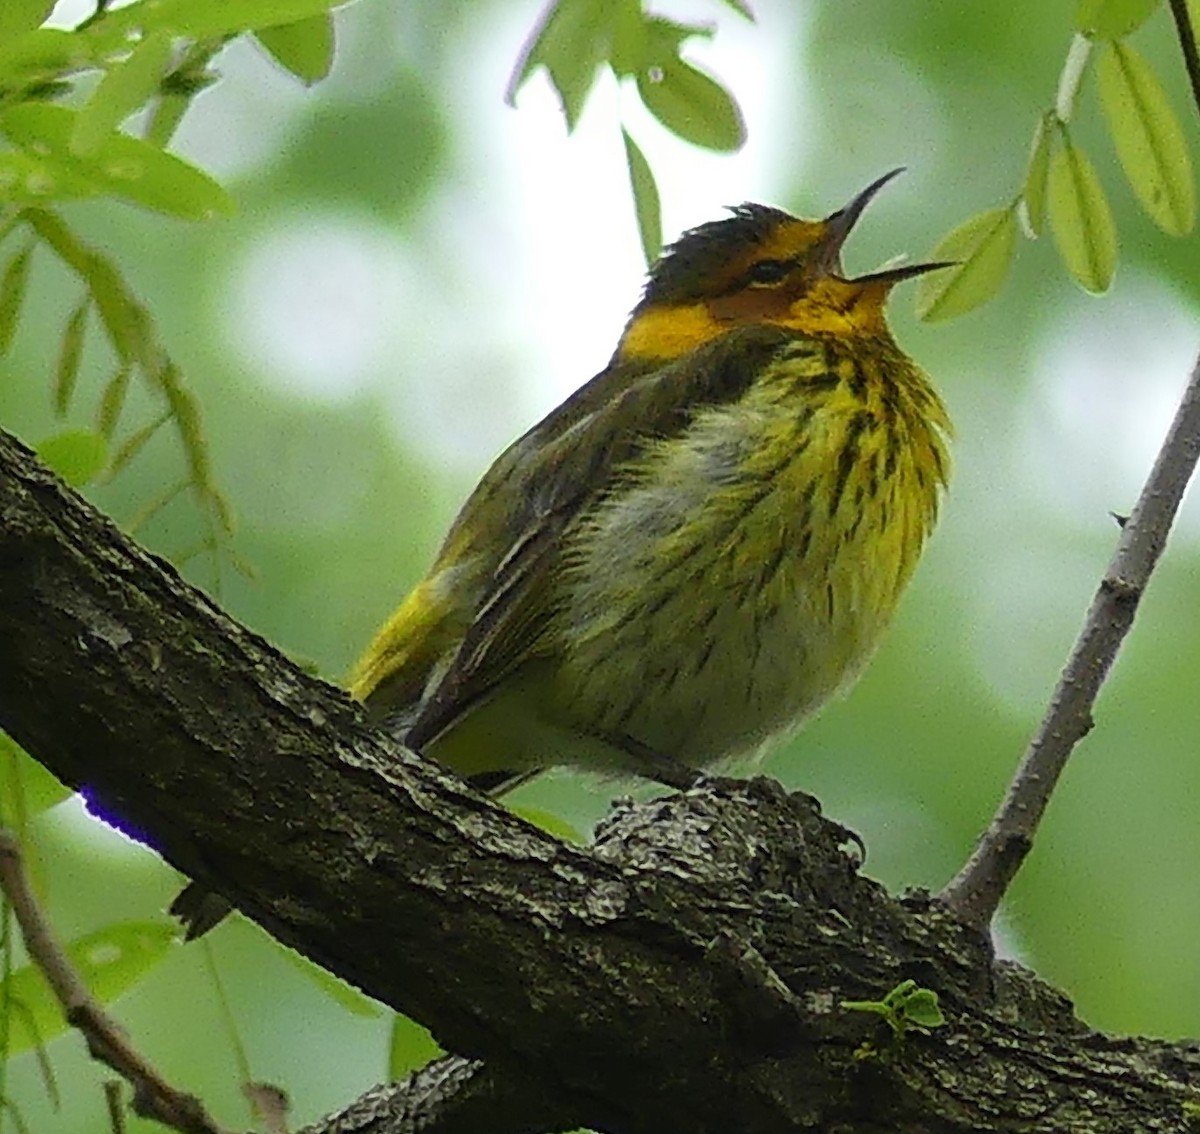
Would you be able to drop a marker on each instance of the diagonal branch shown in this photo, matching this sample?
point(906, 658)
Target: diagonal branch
point(974, 894)
point(976, 891)
point(451, 1095)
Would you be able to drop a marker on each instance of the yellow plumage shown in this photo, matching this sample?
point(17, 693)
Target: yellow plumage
point(697, 549)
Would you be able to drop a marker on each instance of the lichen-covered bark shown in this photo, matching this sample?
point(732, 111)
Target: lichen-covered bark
point(685, 973)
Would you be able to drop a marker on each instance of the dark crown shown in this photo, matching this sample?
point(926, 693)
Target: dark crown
point(685, 267)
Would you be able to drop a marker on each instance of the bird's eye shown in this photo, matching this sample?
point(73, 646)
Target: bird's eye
point(767, 272)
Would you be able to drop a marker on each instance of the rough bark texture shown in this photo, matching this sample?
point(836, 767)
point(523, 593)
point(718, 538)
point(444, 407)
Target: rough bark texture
point(685, 973)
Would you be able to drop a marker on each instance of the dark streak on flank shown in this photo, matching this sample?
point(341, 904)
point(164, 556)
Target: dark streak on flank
point(873, 474)
point(852, 530)
point(936, 453)
point(701, 659)
point(889, 396)
point(858, 382)
point(848, 457)
point(827, 380)
point(892, 441)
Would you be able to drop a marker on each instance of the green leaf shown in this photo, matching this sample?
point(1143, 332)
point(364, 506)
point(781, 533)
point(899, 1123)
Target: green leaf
point(19, 17)
point(209, 19)
point(110, 961)
point(28, 178)
point(921, 1008)
point(1112, 19)
point(662, 40)
point(186, 411)
point(334, 987)
point(125, 88)
point(113, 959)
point(1148, 138)
point(69, 353)
point(1080, 218)
point(76, 455)
point(112, 401)
point(411, 1047)
point(168, 112)
point(12, 294)
point(54, 231)
point(872, 1007)
point(630, 30)
point(123, 319)
point(692, 105)
point(135, 442)
point(983, 247)
point(120, 166)
point(27, 788)
point(907, 1006)
point(645, 199)
point(1034, 191)
point(41, 55)
point(573, 40)
point(179, 86)
point(742, 8)
point(305, 48)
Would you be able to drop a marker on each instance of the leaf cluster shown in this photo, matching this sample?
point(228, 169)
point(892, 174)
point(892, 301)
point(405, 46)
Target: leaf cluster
point(1061, 187)
point(66, 96)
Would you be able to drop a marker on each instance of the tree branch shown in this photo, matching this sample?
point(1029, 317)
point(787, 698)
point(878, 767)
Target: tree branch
point(976, 891)
point(686, 972)
point(451, 1095)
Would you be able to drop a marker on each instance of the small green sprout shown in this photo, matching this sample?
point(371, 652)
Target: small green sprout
point(906, 1008)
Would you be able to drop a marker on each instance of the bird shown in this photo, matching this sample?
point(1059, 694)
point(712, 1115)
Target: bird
point(697, 549)
point(701, 546)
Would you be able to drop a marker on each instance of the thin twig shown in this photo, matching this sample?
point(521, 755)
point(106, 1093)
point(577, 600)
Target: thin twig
point(976, 891)
point(153, 1097)
point(116, 1109)
point(1187, 44)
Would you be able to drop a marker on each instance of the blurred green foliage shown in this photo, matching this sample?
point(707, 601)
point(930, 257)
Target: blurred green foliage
point(112, 317)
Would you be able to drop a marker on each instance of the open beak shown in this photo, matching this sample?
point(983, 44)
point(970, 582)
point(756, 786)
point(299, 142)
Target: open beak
point(838, 227)
point(890, 276)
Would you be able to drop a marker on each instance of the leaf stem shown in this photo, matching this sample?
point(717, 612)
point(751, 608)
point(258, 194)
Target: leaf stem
point(1071, 77)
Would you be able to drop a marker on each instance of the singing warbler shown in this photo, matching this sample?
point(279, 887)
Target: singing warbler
point(696, 550)
point(701, 546)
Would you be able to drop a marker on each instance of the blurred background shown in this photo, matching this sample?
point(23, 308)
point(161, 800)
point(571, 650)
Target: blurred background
point(418, 272)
